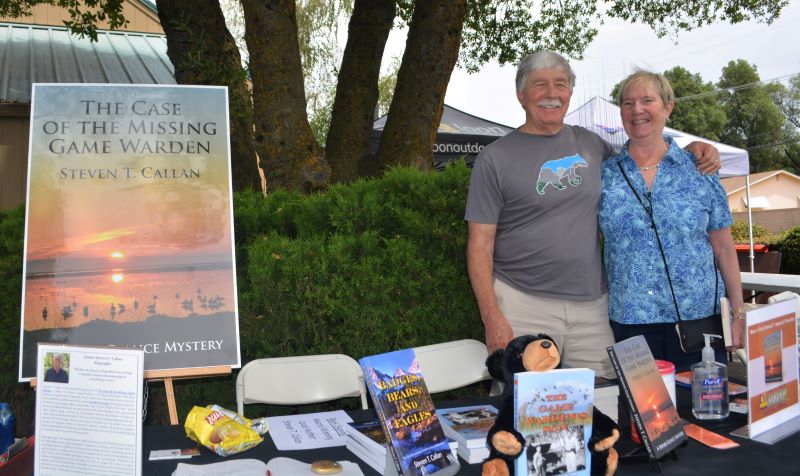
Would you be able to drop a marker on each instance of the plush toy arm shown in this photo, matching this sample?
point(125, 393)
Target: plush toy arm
point(507, 443)
point(604, 432)
point(601, 444)
point(503, 440)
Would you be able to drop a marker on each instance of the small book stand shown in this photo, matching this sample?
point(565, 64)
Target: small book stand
point(640, 455)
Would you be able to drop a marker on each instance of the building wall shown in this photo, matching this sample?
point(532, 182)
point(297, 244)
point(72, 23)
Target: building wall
point(782, 191)
point(775, 221)
point(141, 18)
point(14, 127)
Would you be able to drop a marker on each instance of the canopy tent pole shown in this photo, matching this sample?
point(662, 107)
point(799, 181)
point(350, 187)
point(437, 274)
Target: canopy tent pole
point(750, 222)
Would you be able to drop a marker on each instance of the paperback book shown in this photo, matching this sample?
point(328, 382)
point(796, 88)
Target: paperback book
point(553, 412)
point(368, 434)
point(605, 397)
point(652, 410)
point(375, 461)
point(469, 426)
point(406, 412)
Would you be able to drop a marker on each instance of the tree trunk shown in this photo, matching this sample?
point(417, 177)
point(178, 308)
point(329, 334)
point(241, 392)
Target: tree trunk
point(434, 38)
point(203, 52)
point(290, 156)
point(357, 88)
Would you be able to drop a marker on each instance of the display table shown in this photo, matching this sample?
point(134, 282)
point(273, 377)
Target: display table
point(693, 459)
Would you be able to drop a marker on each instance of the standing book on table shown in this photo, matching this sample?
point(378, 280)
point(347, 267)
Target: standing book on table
point(652, 410)
point(553, 412)
point(406, 412)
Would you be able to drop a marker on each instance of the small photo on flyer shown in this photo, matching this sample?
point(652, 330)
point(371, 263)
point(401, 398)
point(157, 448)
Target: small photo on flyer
point(56, 365)
point(773, 358)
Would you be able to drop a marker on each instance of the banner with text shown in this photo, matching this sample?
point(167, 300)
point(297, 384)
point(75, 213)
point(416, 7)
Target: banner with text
point(129, 224)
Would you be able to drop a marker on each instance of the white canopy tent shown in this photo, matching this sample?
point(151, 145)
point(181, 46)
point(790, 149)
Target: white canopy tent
point(603, 118)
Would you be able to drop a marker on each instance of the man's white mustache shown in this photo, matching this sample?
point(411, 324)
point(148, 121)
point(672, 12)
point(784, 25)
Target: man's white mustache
point(550, 103)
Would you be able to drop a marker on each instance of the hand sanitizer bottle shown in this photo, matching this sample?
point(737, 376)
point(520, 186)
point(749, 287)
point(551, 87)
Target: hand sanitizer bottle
point(709, 385)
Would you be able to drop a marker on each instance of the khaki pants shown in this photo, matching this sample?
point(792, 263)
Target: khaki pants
point(580, 329)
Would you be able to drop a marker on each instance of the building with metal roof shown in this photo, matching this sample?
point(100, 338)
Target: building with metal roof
point(39, 49)
point(45, 54)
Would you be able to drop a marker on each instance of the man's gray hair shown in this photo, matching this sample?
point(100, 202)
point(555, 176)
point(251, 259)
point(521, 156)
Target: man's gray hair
point(543, 60)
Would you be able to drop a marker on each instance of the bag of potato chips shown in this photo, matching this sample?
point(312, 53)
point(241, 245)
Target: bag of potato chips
point(220, 430)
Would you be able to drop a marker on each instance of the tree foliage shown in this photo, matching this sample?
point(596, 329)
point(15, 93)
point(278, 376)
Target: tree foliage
point(288, 38)
point(788, 101)
point(702, 114)
point(666, 17)
point(754, 123)
point(85, 15)
point(507, 31)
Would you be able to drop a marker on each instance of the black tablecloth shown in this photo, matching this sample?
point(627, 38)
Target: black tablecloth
point(693, 459)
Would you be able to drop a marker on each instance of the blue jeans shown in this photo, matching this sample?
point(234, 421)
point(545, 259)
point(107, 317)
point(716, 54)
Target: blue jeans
point(664, 343)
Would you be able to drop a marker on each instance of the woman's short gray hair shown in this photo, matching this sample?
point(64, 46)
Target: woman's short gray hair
point(656, 79)
point(542, 60)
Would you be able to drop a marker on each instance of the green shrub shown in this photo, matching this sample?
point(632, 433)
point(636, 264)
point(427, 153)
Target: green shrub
point(789, 246)
point(741, 234)
point(21, 397)
point(12, 226)
point(363, 268)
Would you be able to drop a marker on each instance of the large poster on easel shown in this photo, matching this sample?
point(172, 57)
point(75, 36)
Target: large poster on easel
point(129, 224)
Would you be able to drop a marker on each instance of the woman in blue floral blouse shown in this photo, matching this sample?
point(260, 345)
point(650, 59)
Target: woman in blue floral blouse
point(653, 182)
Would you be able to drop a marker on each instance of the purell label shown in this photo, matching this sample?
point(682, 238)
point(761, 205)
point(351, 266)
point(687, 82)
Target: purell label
point(711, 396)
point(712, 381)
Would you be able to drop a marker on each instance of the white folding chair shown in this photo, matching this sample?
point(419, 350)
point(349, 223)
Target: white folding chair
point(454, 364)
point(299, 380)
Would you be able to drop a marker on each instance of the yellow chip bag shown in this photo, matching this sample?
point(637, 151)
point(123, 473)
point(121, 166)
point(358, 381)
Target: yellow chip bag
point(213, 428)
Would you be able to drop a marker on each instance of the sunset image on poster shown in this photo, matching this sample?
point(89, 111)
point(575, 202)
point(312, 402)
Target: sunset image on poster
point(129, 233)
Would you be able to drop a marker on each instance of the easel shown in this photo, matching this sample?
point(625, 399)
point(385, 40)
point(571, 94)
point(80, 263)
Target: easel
point(167, 376)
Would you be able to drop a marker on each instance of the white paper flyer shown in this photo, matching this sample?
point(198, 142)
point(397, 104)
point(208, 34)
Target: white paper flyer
point(88, 411)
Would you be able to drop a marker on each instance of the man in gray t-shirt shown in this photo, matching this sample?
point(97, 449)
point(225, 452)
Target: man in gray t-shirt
point(533, 252)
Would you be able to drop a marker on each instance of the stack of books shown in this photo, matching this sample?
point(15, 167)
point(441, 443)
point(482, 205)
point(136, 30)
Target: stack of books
point(606, 397)
point(367, 441)
point(468, 426)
